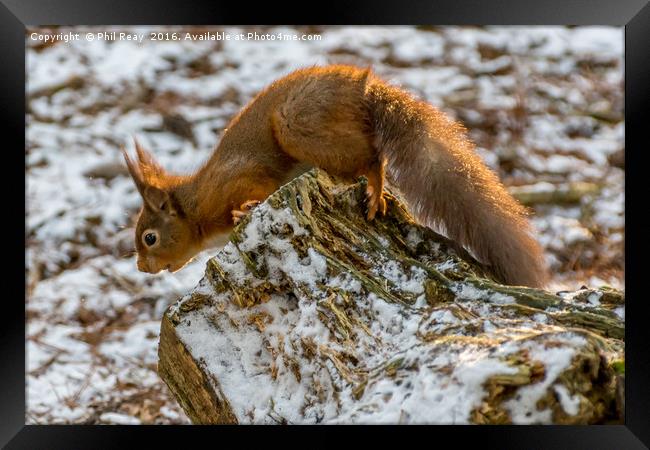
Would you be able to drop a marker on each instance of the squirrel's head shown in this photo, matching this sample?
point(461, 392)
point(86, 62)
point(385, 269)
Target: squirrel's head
point(163, 237)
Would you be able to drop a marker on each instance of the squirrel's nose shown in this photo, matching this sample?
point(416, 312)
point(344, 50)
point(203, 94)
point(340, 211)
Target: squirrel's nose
point(142, 265)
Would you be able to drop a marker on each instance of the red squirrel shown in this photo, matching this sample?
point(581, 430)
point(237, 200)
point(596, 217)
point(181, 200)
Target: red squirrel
point(348, 122)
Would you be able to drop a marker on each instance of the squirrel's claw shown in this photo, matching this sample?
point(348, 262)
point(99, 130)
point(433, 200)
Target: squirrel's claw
point(248, 205)
point(245, 209)
point(237, 215)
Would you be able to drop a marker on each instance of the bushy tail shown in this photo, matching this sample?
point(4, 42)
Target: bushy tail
point(447, 185)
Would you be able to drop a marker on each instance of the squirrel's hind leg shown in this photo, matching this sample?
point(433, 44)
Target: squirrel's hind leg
point(375, 188)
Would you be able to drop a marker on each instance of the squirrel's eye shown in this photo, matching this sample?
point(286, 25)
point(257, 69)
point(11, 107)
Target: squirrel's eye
point(150, 239)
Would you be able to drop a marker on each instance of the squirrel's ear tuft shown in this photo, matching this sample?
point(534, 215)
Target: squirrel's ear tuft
point(134, 170)
point(149, 176)
point(148, 166)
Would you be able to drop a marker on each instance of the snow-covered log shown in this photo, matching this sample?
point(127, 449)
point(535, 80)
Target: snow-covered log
point(312, 314)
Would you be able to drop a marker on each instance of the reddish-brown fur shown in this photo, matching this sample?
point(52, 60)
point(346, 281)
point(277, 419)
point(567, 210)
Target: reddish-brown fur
point(348, 122)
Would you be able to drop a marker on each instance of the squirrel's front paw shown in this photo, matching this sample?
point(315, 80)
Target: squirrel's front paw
point(244, 210)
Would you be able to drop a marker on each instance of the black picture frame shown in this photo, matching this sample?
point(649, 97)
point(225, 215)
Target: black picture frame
point(634, 15)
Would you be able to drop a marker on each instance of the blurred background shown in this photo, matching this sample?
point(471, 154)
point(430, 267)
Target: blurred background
point(544, 106)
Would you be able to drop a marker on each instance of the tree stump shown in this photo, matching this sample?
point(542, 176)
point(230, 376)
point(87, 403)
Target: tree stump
point(312, 314)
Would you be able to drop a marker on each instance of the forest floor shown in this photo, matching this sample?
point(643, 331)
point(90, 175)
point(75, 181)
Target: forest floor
point(543, 105)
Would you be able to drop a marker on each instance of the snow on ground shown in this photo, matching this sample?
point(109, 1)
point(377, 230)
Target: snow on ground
point(544, 105)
